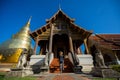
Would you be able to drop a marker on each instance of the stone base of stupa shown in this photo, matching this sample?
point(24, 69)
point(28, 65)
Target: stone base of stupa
point(19, 72)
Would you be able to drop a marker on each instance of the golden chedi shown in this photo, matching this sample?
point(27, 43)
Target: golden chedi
point(11, 49)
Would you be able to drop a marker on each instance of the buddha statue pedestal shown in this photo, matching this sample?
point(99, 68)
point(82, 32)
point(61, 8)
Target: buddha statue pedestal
point(19, 72)
point(105, 72)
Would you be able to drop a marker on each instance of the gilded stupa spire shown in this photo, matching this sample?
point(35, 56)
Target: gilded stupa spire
point(11, 49)
point(23, 35)
point(19, 40)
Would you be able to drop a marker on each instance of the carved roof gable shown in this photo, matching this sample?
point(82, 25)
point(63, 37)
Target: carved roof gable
point(61, 17)
point(59, 14)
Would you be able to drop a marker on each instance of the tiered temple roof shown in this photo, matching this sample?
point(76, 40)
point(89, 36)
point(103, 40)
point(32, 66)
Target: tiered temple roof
point(111, 41)
point(60, 14)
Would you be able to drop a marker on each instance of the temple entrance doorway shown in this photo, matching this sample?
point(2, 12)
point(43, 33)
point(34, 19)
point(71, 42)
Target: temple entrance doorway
point(58, 50)
point(60, 43)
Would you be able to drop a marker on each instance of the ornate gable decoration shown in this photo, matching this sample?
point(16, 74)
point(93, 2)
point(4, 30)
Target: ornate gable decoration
point(59, 14)
point(57, 19)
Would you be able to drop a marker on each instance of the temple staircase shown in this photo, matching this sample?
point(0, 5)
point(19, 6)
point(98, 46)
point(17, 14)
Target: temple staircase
point(55, 66)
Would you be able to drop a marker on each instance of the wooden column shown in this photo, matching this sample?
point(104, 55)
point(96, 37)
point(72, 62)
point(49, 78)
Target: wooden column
point(118, 61)
point(36, 45)
point(86, 46)
point(75, 48)
point(79, 50)
point(51, 38)
point(46, 48)
point(41, 50)
point(71, 43)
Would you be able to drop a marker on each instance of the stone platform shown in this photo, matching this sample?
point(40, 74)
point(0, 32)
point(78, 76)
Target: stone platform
point(19, 72)
point(86, 62)
point(105, 73)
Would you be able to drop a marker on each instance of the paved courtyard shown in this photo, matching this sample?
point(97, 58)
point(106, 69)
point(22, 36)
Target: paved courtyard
point(64, 76)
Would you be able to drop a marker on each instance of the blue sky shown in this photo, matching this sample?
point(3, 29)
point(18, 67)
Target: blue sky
point(101, 16)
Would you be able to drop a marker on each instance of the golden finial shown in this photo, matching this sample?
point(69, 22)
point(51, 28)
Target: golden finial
point(29, 20)
point(59, 7)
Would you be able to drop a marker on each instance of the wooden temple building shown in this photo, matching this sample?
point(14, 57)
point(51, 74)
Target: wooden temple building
point(60, 33)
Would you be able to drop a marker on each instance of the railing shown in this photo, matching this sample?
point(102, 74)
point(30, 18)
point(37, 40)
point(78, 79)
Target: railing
point(51, 56)
point(48, 58)
point(73, 58)
point(75, 61)
point(70, 58)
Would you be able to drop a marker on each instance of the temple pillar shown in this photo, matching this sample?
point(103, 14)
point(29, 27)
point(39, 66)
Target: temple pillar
point(117, 59)
point(46, 48)
point(86, 46)
point(70, 44)
point(51, 38)
point(36, 45)
point(79, 50)
point(41, 50)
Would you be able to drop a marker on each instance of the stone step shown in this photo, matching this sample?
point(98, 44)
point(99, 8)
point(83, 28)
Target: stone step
point(7, 65)
point(55, 66)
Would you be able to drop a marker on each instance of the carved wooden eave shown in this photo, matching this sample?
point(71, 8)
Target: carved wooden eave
point(39, 32)
point(84, 33)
